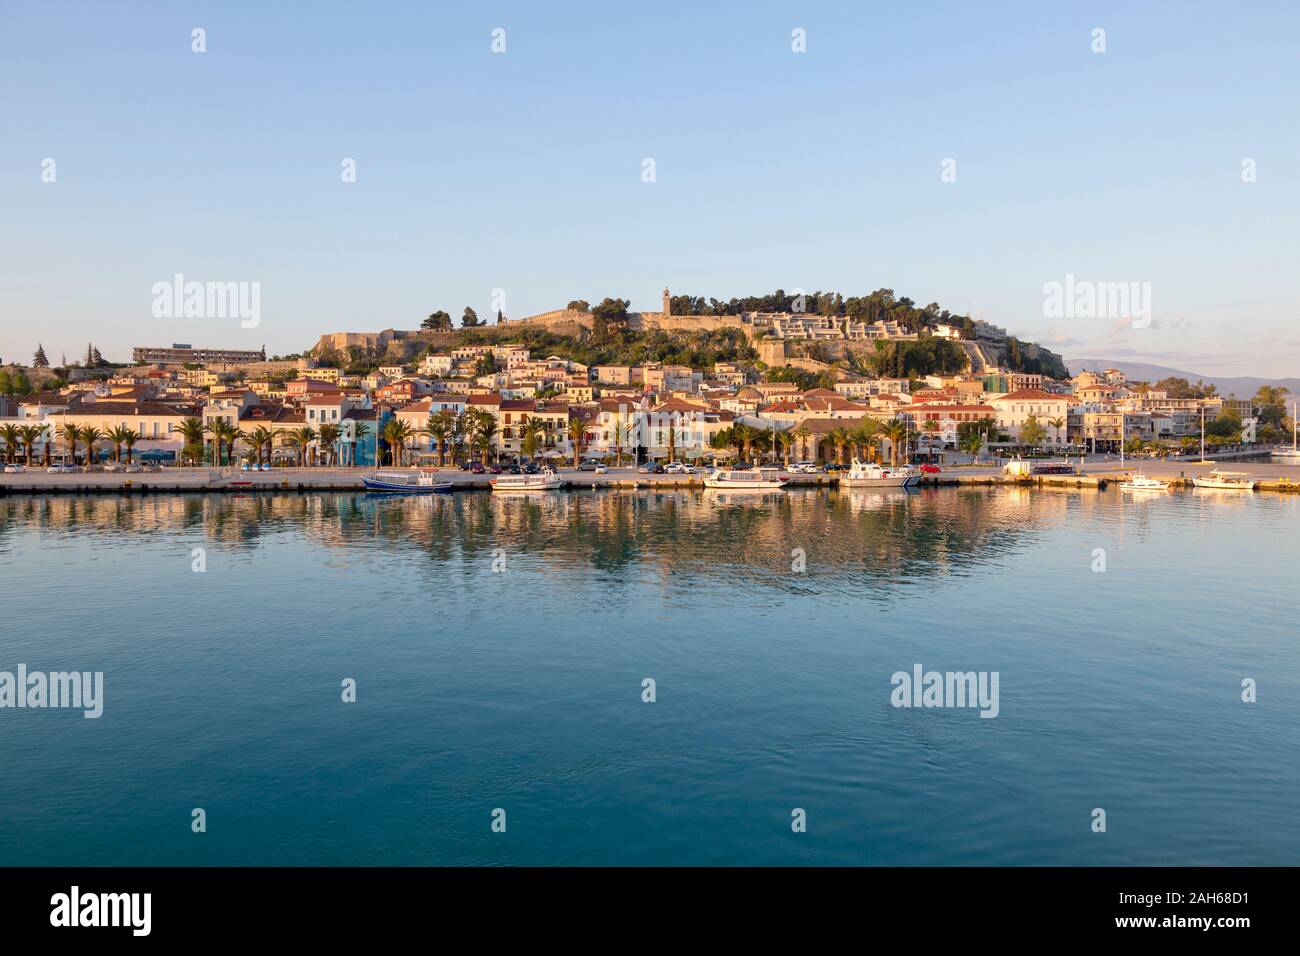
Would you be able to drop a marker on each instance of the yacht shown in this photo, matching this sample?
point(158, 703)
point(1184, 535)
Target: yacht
point(745, 479)
point(406, 482)
point(544, 480)
point(870, 475)
point(1141, 482)
point(1227, 480)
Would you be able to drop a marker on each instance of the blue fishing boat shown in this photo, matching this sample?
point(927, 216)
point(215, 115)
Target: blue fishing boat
point(406, 482)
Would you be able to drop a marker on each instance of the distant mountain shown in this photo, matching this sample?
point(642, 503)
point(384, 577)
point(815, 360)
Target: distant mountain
point(1243, 386)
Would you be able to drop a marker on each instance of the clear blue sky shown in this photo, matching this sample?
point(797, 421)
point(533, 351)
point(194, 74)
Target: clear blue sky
point(522, 170)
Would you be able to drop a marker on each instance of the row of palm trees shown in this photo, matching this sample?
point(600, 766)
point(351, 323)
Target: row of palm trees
point(26, 437)
point(751, 443)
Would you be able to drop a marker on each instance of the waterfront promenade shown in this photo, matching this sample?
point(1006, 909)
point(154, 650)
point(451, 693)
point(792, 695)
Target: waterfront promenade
point(1097, 472)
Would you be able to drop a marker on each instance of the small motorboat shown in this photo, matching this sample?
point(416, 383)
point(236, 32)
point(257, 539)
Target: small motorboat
point(871, 475)
point(544, 480)
point(406, 482)
point(745, 479)
point(1226, 481)
point(1141, 482)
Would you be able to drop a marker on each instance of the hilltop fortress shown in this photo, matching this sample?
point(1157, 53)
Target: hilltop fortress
point(776, 335)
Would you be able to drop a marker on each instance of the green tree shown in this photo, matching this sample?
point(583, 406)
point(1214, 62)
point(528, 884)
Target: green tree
point(438, 321)
point(1032, 432)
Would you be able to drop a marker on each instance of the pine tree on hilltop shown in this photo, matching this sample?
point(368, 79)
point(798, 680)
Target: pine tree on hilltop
point(39, 360)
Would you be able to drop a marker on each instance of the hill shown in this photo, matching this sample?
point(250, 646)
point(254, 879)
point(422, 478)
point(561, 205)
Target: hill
point(1243, 386)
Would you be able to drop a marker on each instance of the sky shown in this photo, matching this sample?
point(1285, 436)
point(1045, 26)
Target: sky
point(524, 170)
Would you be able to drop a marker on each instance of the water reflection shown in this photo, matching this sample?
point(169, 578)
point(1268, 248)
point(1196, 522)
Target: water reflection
point(892, 536)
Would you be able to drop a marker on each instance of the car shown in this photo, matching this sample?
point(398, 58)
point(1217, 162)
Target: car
point(133, 469)
point(514, 469)
point(654, 468)
point(600, 470)
point(14, 469)
point(532, 468)
point(588, 465)
point(677, 468)
point(494, 469)
point(929, 469)
point(741, 466)
point(476, 467)
point(834, 467)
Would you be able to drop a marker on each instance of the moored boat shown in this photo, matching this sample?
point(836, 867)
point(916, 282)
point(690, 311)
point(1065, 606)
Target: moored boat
point(544, 480)
point(1225, 480)
point(745, 479)
point(871, 475)
point(1141, 482)
point(1290, 456)
point(406, 482)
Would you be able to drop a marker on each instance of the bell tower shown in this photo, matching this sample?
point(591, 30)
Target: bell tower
point(667, 302)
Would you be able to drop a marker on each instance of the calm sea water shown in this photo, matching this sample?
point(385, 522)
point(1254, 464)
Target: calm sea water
point(521, 689)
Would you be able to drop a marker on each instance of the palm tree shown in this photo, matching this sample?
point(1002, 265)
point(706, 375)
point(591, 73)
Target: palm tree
point(1057, 424)
point(972, 442)
point(71, 434)
point(484, 430)
point(440, 427)
point(12, 437)
point(672, 443)
point(577, 432)
point(896, 431)
point(29, 435)
point(259, 438)
point(89, 436)
point(839, 437)
point(129, 439)
point(803, 434)
point(360, 430)
point(191, 432)
point(397, 433)
point(300, 439)
point(117, 435)
point(629, 431)
point(746, 435)
point(784, 439)
point(329, 436)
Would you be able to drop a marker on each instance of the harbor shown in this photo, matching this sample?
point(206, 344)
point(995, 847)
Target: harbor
point(1271, 476)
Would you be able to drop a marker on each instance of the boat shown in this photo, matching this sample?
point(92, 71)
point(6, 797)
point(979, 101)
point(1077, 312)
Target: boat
point(544, 480)
point(745, 479)
point(1225, 480)
point(406, 482)
point(1141, 482)
point(871, 475)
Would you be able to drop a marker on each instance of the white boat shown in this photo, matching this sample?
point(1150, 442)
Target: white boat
point(871, 475)
point(1141, 482)
point(405, 482)
point(544, 480)
point(746, 479)
point(1226, 480)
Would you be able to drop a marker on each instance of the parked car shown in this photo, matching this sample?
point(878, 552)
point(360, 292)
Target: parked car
point(61, 470)
point(929, 469)
point(588, 465)
point(133, 469)
point(834, 467)
point(677, 468)
point(476, 467)
point(600, 470)
point(532, 468)
point(654, 468)
point(14, 469)
point(514, 469)
point(494, 469)
point(741, 466)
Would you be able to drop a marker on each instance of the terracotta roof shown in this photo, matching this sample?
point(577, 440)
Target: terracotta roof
point(1029, 395)
point(118, 409)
